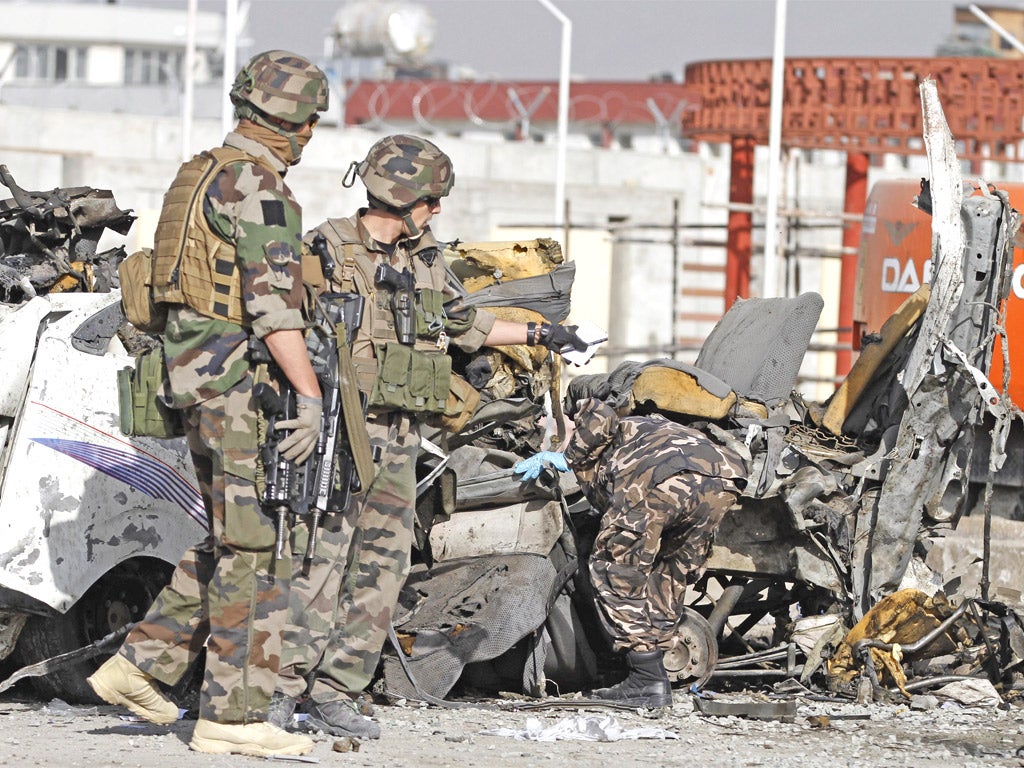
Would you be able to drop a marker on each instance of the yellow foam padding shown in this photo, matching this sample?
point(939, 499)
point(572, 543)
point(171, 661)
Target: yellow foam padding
point(677, 391)
point(901, 618)
point(476, 264)
point(871, 357)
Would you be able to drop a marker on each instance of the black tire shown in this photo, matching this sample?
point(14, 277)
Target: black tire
point(120, 596)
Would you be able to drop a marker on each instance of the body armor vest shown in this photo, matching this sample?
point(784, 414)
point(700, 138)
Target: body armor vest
point(354, 273)
point(191, 264)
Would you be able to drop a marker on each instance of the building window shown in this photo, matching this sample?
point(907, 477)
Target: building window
point(149, 66)
point(49, 63)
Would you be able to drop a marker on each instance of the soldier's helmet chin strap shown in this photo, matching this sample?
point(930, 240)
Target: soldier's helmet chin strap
point(405, 214)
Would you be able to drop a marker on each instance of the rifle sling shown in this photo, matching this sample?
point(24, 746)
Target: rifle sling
point(352, 409)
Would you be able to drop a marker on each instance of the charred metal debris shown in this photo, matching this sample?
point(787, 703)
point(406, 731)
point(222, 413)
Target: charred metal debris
point(48, 240)
point(818, 583)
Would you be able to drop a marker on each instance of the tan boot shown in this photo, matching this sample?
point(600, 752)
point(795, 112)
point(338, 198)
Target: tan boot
point(259, 739)
point(120, 682)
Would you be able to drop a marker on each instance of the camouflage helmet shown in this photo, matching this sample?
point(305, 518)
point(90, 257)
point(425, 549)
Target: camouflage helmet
point(279, 84)
point(401, 170)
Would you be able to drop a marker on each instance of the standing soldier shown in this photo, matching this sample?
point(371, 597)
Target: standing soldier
point(227, 265)
point(387, 254)
point(662, 489)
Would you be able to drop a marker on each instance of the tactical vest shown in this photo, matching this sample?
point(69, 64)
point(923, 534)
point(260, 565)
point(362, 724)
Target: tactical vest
point(354, 272)
point(191, 264)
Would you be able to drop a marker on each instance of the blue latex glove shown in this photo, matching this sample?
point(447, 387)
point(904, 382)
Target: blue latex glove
point(530, 468)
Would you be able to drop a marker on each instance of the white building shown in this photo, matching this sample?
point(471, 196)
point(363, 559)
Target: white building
point(76, 55)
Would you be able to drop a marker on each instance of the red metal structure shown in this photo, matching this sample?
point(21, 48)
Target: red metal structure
point(861, 106)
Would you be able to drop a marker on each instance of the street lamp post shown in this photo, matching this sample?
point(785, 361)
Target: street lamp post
point(563, 110)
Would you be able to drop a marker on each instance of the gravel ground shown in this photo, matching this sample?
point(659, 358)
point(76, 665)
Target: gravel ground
point(35, 733)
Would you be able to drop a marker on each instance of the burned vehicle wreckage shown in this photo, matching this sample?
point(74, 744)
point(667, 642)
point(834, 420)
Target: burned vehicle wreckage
point(817, 574)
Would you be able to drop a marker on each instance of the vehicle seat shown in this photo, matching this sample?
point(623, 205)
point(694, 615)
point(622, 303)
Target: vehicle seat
point(748, 364)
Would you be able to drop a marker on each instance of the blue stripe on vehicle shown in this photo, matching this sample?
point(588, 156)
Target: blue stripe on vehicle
point(143, 473)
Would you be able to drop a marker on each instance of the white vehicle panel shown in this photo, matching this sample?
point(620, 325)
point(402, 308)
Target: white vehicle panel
point(78, 496)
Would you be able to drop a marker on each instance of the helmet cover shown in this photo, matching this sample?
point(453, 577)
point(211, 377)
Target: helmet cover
point(280, 84)
point(401, 170)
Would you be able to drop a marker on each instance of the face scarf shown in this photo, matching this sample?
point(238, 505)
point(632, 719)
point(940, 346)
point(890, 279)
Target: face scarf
point(287, 147)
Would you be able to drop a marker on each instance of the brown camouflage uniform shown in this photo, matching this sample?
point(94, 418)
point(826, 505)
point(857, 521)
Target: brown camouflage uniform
point(228, 593)
point(342, 611)
point(662, 489)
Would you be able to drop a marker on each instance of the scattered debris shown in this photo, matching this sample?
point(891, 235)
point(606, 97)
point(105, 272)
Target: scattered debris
point(580, 728)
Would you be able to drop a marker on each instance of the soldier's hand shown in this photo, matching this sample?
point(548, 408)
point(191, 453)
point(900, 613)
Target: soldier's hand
point(558, 337)
point(305, 428)
point(531, 468)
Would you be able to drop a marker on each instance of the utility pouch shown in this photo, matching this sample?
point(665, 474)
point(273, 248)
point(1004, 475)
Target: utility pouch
point(429, 313)
point(411, 380)
point(460, 405)
point(135, 274)
point(142, 398)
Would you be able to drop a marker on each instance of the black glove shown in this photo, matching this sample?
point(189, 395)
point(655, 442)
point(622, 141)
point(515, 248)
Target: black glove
point(561, 338)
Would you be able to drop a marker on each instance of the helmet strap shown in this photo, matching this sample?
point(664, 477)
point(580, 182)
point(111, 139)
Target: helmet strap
point(410, 226)
point(405, 214)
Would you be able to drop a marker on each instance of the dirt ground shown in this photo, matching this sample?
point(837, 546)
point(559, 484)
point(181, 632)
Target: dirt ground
point(36, 733)
point(924, 731)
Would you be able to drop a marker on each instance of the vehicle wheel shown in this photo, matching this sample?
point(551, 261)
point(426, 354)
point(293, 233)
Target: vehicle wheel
point(694, 650)
point(120, 596)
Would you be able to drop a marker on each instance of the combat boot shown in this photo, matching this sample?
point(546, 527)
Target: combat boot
point(258, 739)
point(281, 710)
point(120, 682)
point(647, 684)
point(340, 718)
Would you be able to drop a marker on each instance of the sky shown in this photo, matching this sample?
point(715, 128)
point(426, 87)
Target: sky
point(623, 39)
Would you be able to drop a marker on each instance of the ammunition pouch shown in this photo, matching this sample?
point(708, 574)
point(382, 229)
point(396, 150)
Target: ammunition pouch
point(411, 380)
point(429, 313)
point(143, 394)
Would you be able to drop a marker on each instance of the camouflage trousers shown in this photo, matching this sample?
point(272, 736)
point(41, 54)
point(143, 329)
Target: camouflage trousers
point(645, 555)
point(228, 593)
point(342, 610)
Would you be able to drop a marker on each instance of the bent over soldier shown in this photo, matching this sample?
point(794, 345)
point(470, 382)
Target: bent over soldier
point(662, 489)
point(386, 253)
point(227, 265)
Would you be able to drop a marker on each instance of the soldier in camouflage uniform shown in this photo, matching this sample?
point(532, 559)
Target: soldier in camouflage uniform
point(227, 264)
point(662, 489)
point(343, 610)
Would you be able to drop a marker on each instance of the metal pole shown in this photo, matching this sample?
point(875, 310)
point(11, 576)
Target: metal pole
point(996, 28)
point(227, 115)
point(770, 278)
point(563, 109)
point(188, 98)
point(856, 201)
point(741, 195)
point(675, 273)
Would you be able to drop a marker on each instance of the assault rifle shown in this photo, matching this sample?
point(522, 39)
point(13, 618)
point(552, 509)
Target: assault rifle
point(325, 482)
point(286, 485)
point(333, 467)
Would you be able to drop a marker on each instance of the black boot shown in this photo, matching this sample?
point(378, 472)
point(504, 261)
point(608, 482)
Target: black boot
point(647, 684)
